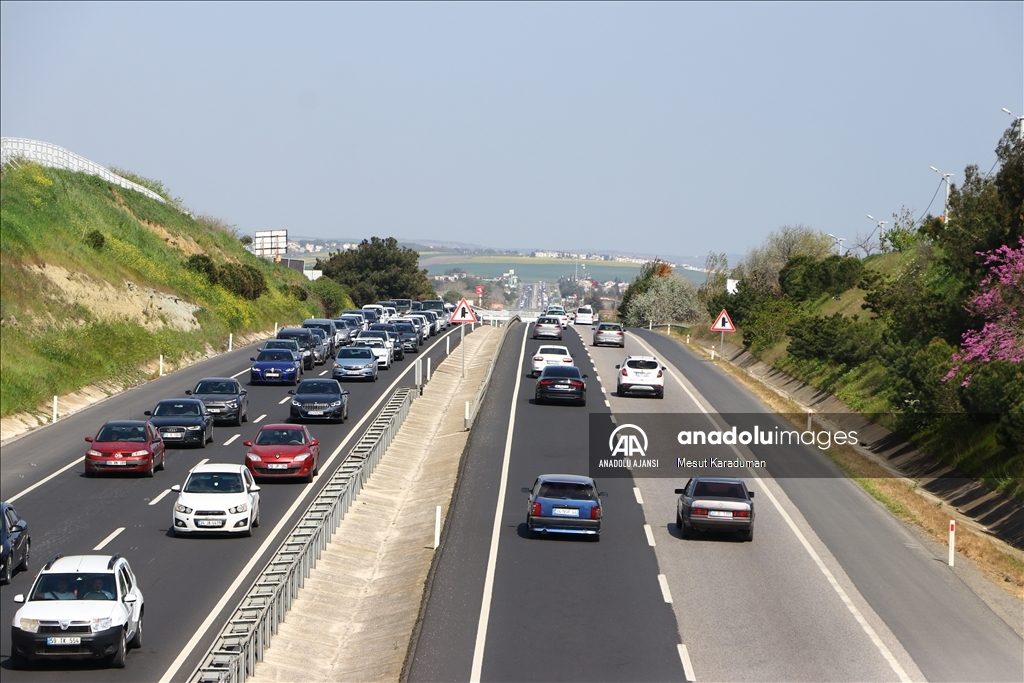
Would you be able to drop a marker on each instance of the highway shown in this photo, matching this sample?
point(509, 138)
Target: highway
point(832, 588)
point(190, 584)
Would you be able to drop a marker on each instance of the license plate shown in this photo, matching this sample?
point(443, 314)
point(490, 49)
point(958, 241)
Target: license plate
point(213, 410)
point(116, 463)
point(210, 522)
point(64, 640)
point(719, 513)
point(565, 512)
point(173, 435)
point(315, 412)
point(277, 466)
point(563, 387)
point(273, 374)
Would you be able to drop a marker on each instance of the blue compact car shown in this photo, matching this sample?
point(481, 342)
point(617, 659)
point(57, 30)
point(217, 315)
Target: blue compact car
point(274, 365)
point(564, 504)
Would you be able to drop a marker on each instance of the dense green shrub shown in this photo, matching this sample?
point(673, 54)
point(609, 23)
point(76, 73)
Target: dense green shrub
point(835, 338)
point(333, 297)
point(296, 291)
point(201, 263)
point(242, 279)
point(95, 239)
point(804, 277)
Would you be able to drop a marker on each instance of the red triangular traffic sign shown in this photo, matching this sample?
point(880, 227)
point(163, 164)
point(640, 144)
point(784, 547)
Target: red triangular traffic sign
point(464, 313)
point(723, 323)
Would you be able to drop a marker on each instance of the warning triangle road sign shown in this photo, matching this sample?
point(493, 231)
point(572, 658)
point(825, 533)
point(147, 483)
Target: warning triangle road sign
point(723, 323)
point(464, 313)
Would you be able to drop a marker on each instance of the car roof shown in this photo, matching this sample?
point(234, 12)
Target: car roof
point(125, 423)
point(92, 564)
point(280, 425)
point(721, 480)
point(561, 349)
point(629, 358)
point(566, 478)
point(180, 400)
point(228, 467)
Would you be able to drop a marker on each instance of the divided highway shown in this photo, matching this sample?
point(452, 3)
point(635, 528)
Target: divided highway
point(189, 584)
point(831, 589)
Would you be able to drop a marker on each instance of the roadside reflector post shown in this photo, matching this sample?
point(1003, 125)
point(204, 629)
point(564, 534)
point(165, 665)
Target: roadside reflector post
point(417, 373)
point(55, 409)
point(275, 329)
point(650, 325)
point(465, 420)
point(670, 329)
point(447, 346)
point(952, 538)
point(428, 369)
point(231, 341)
point(687, 339)
point(161, 365)
point(712, 353)
point(437, 527)
point(809, 413)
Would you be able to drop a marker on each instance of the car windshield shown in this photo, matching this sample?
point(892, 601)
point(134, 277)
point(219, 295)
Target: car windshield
point(274, 355)
point(553, 351)
point(280, 437)
point(318, 333)
point(168, 408)
point(570, 371)
point(281, 344)
point(371, 342)
point(216, 388)
point(355, 353)
point(719, 489)
point(214, 482)
point(549, 321)
point(566, 491)
point(405, 327)
point(642, 364)
point(70, 586)
point(317, 387)
point(122, 433)
point(609, 327)
point(584, 310)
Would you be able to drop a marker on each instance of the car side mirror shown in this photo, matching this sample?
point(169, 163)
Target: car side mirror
point(663, 367)
point(345, 392)
point(314, 442)
point(129, 599)
point(148, 413)
point(176, 488)
point(680, 491)
point(602, 494)
point(291, 391)
point(750, 493)
point(188, 392)
point(253, 360)
point(525, 490)
point(89, 439)
point(617, 367)
point(19, 598)
point(247, 443)
point(586, 376)
point(243, 392)
point(254, 488)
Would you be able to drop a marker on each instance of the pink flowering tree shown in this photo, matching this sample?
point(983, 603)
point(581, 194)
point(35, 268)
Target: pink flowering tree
point(1000, 302)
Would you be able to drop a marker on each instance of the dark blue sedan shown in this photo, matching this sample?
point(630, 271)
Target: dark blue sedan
point(274, 365)
point(564, 504)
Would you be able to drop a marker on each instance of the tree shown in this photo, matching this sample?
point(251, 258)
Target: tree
point(716, 268)
point(246, 240)
point(452, 296)
point(333, 297)
point(761, 265)
point(641, 283)
point(378, 269)
point(668, 299)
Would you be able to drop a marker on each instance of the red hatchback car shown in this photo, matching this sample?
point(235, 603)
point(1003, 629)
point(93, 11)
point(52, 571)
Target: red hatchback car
point(283, 450)
point(125, 446)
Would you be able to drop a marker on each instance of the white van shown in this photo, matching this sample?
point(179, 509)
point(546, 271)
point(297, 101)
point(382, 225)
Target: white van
point(584, 315)
point(382, 314)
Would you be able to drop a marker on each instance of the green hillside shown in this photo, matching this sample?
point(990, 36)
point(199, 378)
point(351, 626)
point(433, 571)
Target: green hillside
point(78, 255)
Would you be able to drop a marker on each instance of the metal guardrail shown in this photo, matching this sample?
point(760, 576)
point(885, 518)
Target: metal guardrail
point(46, 154)
point(247, 633)
point(471, 417)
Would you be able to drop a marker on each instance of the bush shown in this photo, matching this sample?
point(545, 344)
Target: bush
point(333, 297)
point(767, 322)
point(840, 340)
point(203, 264)
point(95, 239)
point(242, 279)
point(296, 291)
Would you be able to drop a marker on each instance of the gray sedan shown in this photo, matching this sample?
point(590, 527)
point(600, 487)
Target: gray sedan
point(715, 504)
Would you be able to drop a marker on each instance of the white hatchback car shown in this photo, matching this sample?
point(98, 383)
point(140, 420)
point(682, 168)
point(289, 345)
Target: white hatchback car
point(79, 607)
point(641, 375)
point(550, 355)
point(219, 498)
point(558, 312)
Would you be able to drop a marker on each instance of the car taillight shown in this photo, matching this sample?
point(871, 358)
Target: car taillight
point(740, 513)
point(576, 383)
point(567, 360)
point(547, 382)
point(595, 512)
point(619, 333)
point(624, 373)
point(538, 357)
point(660, 373)
point(535, 509)
point(699, 511)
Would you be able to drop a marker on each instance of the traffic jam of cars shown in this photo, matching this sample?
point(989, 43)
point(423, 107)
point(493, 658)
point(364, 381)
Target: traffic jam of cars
point(90, 607)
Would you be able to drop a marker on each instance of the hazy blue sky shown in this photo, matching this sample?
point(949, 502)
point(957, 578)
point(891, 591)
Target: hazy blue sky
point(672, 129)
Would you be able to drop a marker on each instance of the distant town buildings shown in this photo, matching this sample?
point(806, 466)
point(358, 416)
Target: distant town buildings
point(589, 256)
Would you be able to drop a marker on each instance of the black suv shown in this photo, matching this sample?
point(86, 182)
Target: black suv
point(304, 338)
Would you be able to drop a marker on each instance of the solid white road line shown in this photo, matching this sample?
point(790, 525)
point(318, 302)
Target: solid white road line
point(238, 374)
point(284, 400)
point(638, 496)
point(231, 440)
point(200, 633)
point(663, 582)
point(607, 404)
point(109, 538)
point(492, 557)
point(650, 535)
point(202, 462)
point(322, 373)
point(882, 648)
point(259, 418)
point(39, 483)
point(684, 657)
point(160, 497)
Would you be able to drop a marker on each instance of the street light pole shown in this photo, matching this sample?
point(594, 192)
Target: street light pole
point(945, 204)
point(880, 227)
point(1020, 123)
point(839, 242)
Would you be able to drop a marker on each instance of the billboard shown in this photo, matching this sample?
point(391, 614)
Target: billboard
point(270, 243)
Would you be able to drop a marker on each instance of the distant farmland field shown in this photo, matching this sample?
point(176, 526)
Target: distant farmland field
point(536, 269)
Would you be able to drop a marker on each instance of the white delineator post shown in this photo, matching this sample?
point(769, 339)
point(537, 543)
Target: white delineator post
point(54, 409)
point(809, 413)
point(712, 353)
point(231, 341)
point(428, 368)
point(275, 329)
point(437, 527)
point(465, 420)
point(462, 343)
point(161, 365)
point(447, 345)
point(952, 540)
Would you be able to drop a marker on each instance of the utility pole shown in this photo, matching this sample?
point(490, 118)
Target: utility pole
point(945, 204)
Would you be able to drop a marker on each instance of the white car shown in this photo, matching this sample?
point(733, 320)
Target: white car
point(382, 314)
point(641, 375)
point(79, 607)
point(558, 312)
point(381, 349)
point(550, 355)
point(217, 498)
point(584, 315)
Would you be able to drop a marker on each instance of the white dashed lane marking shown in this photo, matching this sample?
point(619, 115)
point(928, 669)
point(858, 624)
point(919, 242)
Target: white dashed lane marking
point(639, 498)
point(684, 656)
point(258, 418)
point(650, 538)
point(284, 400)
point(231, 440)
point(160, 497)
point(109, 538)
point(665, 593)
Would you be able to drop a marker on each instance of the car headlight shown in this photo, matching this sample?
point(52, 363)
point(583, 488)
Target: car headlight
point(239, 508)
point(300, 458)
point(368, 366)
point(337, 365)
point(335, 404)
point(254, 457)
point(296, 404)
point(29, 625)
point(184, 509)
point(194, 428)
point(231, 404)
point(93, 453)
point(103, 624)
point(254, 369)
point(139, 453)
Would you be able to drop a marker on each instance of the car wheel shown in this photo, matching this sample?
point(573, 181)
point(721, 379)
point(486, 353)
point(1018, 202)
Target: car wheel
point(685, 531)
point(24, 558)
point(245, 417)
point(748, 535)
point(8, 572)
point(202, 442)
point(117, 659)
point(152, 467)
point(136, 642)
point(163, 462)
point(256, 521)
point(661, 394)
point(18, 661)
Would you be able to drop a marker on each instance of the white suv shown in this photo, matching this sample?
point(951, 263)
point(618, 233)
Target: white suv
point(584, 315)
point(80, 607)
point(641, 375)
